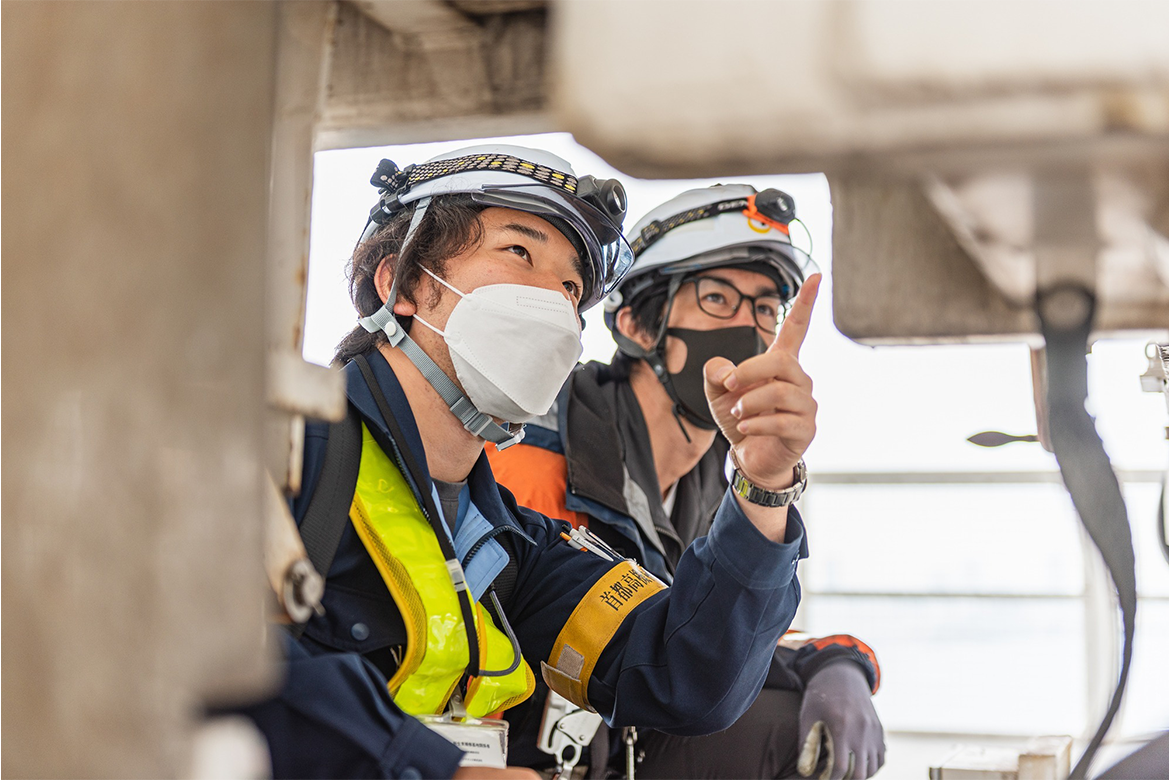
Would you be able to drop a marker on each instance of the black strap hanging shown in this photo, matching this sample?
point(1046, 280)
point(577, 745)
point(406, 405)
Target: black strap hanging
point(1066, 316)
point(328, 509)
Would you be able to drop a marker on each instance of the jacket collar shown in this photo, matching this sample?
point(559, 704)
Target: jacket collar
point(587, 418)
point(589, 432)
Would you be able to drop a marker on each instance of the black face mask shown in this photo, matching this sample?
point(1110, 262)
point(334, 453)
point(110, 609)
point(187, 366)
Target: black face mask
point(735, 344)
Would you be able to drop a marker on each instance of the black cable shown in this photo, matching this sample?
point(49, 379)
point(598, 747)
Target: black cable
point(516, 653)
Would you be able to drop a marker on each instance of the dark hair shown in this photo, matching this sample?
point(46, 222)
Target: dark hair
point(647, 310)
point(450, 227)
point(649, 307)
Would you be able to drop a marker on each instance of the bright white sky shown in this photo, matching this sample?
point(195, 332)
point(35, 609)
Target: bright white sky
point(881, 409)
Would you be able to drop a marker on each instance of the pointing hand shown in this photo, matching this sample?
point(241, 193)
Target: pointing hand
point(764, 406)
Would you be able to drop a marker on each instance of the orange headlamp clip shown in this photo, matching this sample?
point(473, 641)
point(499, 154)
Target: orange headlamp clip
point(751, 212)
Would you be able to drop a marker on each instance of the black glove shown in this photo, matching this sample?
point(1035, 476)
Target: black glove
point(837, 719)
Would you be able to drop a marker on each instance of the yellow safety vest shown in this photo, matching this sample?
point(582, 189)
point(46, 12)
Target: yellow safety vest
point(396, 534)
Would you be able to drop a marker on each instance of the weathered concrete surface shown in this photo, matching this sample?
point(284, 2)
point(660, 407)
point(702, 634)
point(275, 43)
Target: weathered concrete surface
point(890, 97)
point(900, 276)
point(898, 270)
point(397, 78)
point(898, 86)
point(304, 51)
point(136, 140)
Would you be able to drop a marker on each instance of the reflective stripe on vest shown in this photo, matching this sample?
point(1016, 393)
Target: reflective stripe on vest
point(402, 544)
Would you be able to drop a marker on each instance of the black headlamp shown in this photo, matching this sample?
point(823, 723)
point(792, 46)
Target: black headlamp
point(606, 195)
point(775, 205)
point(392, 182)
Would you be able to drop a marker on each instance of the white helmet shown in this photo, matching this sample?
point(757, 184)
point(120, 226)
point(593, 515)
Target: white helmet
point(587, 210)
point(720, 225)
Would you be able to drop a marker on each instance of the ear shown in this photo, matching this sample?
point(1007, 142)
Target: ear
point(384, 277)
point(628, 327)
point(383, 280)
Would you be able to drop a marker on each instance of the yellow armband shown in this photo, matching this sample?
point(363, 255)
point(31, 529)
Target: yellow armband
point(591, 626)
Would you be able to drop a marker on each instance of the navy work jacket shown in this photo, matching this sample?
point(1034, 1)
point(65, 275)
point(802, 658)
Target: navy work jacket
point(688, 660)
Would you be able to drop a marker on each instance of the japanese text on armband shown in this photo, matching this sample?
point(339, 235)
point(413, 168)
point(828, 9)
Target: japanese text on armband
point(624, 589)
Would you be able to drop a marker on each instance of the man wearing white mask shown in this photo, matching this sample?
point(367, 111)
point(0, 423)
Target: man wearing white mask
point(443, 598)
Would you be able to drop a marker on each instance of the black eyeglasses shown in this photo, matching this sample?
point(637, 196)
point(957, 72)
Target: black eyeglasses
point(722, 300)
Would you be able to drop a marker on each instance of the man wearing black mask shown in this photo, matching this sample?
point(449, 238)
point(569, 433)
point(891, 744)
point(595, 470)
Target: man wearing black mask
point(633, 452)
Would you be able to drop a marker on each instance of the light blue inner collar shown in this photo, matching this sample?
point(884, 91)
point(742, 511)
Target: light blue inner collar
point(470, 527)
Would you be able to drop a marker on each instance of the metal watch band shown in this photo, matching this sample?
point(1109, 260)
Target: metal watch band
point(744, 488)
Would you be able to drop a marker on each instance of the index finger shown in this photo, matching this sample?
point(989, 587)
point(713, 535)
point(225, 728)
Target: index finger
point(795, 326)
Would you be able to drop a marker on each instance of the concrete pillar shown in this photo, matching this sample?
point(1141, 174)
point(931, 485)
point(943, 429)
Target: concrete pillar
point(137, 144)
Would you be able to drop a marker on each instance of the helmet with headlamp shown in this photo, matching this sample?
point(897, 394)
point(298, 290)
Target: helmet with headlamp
point(717, 226)
point(589, 211)
point(722, 226)
point(511, 345)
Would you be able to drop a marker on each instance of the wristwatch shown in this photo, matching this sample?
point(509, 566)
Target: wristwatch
point(743, 487)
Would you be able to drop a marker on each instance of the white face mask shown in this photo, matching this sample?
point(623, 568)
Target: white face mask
point(513, 346)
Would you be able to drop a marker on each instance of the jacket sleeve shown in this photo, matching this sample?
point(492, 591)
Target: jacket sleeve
point(688, 660)
point(333, 717)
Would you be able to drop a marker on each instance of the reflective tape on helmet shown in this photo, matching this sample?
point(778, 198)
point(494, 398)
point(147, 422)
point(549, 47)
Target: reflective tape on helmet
point(424, 172)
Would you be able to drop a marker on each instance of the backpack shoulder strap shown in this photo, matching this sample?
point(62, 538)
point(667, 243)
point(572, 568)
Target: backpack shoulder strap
point(328, 510)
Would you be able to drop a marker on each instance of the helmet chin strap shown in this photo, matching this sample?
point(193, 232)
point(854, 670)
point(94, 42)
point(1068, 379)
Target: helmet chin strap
point(472, 419)
point(655, 357)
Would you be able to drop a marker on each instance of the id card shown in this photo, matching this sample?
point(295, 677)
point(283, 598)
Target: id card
point(483, 742)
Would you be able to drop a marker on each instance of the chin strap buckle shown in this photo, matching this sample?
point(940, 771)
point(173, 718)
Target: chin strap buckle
point(517, 431)
point(384, 320)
